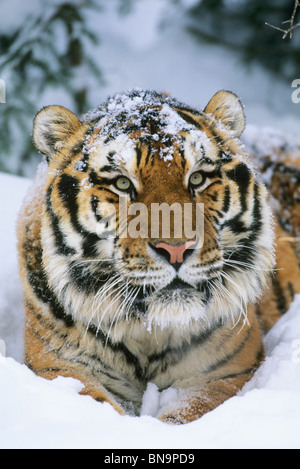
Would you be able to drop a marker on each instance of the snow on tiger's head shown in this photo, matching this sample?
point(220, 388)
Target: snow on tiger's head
point(154, 210)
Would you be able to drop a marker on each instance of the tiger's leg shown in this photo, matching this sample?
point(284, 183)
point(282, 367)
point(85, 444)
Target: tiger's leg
point(234, 359)
point(42, 355)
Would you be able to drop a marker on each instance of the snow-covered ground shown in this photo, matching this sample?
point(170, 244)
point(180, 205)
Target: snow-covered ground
point(35, 413)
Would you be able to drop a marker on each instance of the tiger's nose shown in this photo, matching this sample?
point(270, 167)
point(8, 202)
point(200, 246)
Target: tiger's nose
point(174, 253)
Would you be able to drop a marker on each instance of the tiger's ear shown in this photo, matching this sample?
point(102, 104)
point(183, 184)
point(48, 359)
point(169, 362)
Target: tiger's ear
point(226, 107)
point(52, 127)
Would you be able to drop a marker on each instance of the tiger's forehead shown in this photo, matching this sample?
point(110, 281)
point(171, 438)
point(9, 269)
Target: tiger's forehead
point(130, 122)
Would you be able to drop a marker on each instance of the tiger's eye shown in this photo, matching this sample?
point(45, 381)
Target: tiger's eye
point(123, 183)
point(196, 179)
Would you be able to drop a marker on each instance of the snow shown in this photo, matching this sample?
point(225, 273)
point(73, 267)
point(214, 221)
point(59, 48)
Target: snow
point(12, 191)
point(137, 107)
point(265, 140)
point(35, 413)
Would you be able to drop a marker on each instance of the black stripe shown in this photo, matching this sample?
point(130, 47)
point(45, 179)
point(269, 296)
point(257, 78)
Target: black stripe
point(106, 189)
point(99, 180)
point(189, 119)
point(148, 154)
point(257, 222)
point(226, 203)
point(108, 169)
point(131, 128)
point(247, 252)
point(291, 290)
point(231, 355)
point(260, 355)
point(110, 157)
point(224, 157)
point(184, 108)
point(87, 280)
point(205, 160)
point(37, 278)
point(241, 175)
point(216, 137)
point(118, 347)
point(83, 164)
point(279, 295)
point(182, 155)
point(60, 241)
point(214, 183)
point(236, 225)
point(68, 189)
point(77, 148)
point(44, 370)
point(247, 371)
point(213, 197)
point(170, 356)
point(138, 156)
point(94, 205)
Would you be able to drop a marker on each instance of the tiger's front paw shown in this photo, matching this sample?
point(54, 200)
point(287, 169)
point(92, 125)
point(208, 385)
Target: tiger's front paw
point(179, 411)
point(174, 419)
point(181, 415)
point(191, 404)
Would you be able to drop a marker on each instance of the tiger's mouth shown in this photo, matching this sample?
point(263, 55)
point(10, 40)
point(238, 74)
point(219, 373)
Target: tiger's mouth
point(177, 290)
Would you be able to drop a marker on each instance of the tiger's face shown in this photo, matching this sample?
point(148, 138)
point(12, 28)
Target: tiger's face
point(153, 213)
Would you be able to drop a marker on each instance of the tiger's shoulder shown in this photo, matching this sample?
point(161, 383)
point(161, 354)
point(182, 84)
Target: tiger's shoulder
point(276, 156)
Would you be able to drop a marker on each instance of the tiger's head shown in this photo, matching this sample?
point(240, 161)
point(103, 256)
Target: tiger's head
point(153, 213)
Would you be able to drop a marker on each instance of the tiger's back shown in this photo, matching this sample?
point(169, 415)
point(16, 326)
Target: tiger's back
point(277, 158)
point(117, 312)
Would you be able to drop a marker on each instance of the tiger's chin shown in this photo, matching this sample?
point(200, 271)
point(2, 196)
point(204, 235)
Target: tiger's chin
point(178, 305)
point(174, 312)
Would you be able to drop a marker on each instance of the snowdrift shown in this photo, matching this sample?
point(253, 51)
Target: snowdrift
point(35, 413)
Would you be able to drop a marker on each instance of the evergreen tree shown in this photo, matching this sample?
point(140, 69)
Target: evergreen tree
point(47, 50)
point(240, 25)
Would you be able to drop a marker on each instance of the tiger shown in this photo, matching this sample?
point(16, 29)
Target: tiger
point(186, 311)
